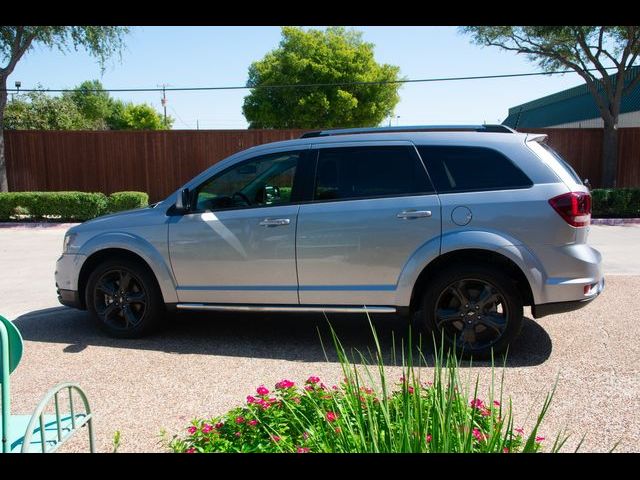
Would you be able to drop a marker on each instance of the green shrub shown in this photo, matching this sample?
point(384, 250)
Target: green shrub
point(120, 201)
point(63, 206)
point(443, 414)
point(616, 202)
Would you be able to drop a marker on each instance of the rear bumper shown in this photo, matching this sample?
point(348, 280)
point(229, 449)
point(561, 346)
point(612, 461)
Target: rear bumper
point(545, 309)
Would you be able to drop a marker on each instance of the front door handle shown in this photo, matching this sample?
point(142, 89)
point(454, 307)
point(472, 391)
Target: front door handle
point(407, 214)
point(275, 222)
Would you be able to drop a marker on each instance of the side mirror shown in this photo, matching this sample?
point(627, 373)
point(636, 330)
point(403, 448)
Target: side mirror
point(587, 183)
point(183, 203)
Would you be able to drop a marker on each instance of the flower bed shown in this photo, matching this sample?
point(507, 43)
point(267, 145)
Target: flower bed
point(411, 415)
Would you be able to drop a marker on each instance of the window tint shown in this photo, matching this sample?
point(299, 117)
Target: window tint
point(568, 168)
point(463, 169)
point(264, 181)
point(354, 172)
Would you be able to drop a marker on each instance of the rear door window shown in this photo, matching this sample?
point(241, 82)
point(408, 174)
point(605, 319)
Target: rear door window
point(365, 172)
point(469, 169)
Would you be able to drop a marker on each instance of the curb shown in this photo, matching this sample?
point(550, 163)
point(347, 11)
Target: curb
point(42, 225)
point(615, 221)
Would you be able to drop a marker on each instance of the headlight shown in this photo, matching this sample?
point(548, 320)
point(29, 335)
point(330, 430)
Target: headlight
point(66, 243)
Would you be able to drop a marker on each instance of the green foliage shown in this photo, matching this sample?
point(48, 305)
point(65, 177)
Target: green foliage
point(616, 202)
point(60, 206)
point(120, 201)
point(87, 107)
point(142, 117)
point(100, 41)
point(441, 415)
point(39, 111)
point(92, 102)
point(554, 47)
point(313, 56)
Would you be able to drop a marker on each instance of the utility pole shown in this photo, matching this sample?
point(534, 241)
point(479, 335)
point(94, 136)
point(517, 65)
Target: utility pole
point(164, 100)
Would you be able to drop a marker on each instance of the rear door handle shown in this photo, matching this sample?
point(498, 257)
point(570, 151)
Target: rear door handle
point(407, 214)
point(275, 222)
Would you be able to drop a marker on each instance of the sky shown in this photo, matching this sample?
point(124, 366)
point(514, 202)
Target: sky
point(220, 56)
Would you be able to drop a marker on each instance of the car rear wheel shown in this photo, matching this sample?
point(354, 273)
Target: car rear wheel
point(475, 308)
point(123, 298)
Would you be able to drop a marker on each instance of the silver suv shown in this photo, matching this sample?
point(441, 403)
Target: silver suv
point(460, 227)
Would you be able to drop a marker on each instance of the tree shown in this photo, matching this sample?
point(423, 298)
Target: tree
point(93, 102)
point(42, 112)
point(333, 56)
point(588, 50)
point(141, 117)
point(87, 107)
point(100, 41)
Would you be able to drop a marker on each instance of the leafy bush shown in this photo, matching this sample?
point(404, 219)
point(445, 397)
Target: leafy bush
point(120, 201)
point(75, 206)
point(616, 202)
point(441, 415)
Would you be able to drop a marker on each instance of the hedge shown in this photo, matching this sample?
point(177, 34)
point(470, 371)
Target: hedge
point(615, 202)
point(62, 206)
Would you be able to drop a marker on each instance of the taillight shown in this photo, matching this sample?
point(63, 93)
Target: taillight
point(574, 207)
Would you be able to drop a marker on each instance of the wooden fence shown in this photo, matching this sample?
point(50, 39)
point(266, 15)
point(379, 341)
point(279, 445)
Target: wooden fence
point(159, 162)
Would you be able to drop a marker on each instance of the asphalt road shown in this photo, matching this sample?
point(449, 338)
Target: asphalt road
point(204, 364)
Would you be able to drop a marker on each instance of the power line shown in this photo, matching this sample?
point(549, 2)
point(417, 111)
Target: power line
point(306, 85)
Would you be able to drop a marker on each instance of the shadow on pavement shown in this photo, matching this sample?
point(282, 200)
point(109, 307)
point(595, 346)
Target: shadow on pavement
point(286, 336)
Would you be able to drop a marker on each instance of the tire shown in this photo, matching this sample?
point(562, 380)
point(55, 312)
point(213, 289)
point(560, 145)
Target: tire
point(489, 319)
point(132, 312)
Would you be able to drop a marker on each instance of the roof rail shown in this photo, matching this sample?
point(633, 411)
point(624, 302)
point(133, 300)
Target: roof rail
point(416, 128)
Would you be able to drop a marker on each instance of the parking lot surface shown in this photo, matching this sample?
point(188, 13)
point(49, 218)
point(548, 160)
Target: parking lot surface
point(204, 364)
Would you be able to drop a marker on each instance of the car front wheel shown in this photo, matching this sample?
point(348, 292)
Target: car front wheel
point(123, 299)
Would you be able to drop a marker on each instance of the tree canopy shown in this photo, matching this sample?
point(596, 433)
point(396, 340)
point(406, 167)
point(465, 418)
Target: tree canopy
point(87, 107)
point(333, 56)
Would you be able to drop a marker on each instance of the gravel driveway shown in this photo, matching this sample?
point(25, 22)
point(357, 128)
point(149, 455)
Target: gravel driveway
point(204, 364)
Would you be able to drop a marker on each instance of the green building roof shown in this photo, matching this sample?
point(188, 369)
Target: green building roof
point(570, 105)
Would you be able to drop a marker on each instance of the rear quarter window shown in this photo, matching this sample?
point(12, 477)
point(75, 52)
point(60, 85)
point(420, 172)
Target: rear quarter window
point(469, 169)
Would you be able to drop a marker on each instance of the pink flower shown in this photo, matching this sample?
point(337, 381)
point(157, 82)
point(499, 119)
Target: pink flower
point(308, 388)
point(331, 417)
point(275, 438)
point(403, 379)
point(323, 386)
point(410, 388)
point(519, 430)
point(219, 425)
point(428, 438)
point(338, 430)
point(479, 435)
point(313, 380)
point(296, 399)
point(206, 428)
point(284, 384)
point(335, 387)
point(539, 439)
point(190, 450)
point(262, 390)
point(240, 420)
point(253, 423)
point(496, 403)
point(192, 430)
point(476, 403)
point(305, 435)
point(238, 434)
point(303, 450)
point(251, 399)
point(505, 450)
point(485, 412)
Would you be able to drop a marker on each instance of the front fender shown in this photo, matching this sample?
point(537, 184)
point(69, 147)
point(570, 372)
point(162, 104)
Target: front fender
point(140, 246)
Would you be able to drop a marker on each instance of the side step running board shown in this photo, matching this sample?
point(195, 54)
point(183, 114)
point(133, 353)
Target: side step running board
point(284, 308)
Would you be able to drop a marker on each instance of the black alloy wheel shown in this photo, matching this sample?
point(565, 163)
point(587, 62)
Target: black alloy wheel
point(475, 309)
point(124, 299)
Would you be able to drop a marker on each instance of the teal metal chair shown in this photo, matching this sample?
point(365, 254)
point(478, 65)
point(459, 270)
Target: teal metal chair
point(39, 432)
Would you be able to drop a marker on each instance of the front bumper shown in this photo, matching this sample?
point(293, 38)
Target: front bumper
point(545, 309)
point(70, 298)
